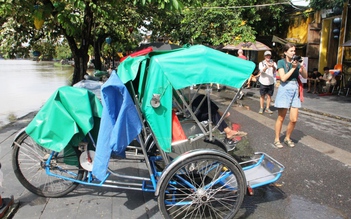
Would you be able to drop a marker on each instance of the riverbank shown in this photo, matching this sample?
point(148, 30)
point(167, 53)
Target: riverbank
point(26, 85)
point(24, 119)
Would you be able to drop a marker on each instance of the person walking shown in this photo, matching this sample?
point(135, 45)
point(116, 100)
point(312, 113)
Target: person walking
point(289, 70)
point(266, 78)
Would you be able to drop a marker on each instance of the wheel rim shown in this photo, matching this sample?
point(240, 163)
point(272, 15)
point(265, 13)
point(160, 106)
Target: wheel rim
point(206, 188)
point(30, 162)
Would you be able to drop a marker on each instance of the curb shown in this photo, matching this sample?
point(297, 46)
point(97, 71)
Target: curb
point(29, 116)
point(254, 95)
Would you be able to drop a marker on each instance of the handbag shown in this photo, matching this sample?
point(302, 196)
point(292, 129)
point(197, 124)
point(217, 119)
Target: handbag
point(300, 89)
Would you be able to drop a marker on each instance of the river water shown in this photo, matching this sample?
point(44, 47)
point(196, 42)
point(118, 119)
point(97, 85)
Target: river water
point(26, 85)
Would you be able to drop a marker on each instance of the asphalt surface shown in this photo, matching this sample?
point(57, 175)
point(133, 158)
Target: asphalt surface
point(334, 106)
point(281, 200)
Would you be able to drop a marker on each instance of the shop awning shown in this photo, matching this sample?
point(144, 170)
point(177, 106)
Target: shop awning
point(284, 41)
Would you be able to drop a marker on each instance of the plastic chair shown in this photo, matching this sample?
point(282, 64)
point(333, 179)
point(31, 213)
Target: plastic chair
point(348, 87)
point(338, 67)
point(336, 87)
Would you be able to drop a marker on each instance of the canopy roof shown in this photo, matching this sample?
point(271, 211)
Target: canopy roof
point(347, 43)
point(284, 41)
point(161, 71)
point(251, 46)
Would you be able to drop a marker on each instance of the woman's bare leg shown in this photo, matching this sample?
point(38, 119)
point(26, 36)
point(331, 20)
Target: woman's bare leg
point(279, 123)
point(294, 112)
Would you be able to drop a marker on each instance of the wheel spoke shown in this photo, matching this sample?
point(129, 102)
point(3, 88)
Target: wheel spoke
point(203, 187)
point(29, 163)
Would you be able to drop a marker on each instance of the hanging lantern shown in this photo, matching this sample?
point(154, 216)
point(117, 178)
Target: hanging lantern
point(337, 21)
point(337, 10)
point(36, 53)
point(108, 40)
point(38, 23)
point(336, 32)
point(38, 17)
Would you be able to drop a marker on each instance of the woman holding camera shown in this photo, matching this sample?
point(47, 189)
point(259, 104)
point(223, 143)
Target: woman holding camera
point(289, 69)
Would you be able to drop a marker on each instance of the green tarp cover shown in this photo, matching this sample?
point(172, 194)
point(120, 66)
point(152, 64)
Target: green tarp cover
point(179, 69)
point(66, 117)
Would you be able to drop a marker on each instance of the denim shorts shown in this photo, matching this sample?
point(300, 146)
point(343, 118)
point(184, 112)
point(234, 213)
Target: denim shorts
point(288, 95)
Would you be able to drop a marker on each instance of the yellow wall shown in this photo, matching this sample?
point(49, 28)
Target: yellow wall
point(298, 29)
point(323, 50)
point(342, 33)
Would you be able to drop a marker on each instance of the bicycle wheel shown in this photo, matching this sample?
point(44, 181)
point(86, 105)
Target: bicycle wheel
point(29, 162)
point(202, 186)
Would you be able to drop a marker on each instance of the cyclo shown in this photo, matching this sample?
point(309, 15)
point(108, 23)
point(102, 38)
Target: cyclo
point(74, 140)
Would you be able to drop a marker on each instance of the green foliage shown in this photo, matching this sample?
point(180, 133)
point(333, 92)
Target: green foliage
point(46, 48)
point(220, 22)
point(325, 4)
point(172, 5)
point(218, 26)
point(86, 23)
point(62, 51)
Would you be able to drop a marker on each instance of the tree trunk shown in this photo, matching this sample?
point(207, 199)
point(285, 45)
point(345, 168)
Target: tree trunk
point(80, 65)
point(97, 53)
point(80, 54)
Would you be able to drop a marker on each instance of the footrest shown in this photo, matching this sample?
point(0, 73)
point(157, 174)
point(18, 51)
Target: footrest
point(262, 170)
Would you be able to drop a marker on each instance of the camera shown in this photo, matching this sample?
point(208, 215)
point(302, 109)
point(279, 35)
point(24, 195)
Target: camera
point(297, 58)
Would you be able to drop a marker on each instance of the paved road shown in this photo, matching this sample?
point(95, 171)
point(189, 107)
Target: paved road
point(315, 183)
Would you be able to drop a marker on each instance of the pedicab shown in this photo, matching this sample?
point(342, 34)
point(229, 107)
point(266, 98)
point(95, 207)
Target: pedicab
point(78, 139)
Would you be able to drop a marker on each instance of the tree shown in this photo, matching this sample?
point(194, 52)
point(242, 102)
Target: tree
point(62, 50)
point(221, 22)
point(326, 4)
point(81, 22)
point(87, 23)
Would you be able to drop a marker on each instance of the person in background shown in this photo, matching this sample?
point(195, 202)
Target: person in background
point(267, 68)
point(104, 78)
point(288, 94)
point(328, 79)
point(241, 54)
point(217, 85)
point(253, 78)
point(313, 78)
point(201, 114)
point(110, 69)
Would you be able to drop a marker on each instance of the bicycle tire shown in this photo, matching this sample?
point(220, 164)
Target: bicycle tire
point(28, 161)
point(190, 192)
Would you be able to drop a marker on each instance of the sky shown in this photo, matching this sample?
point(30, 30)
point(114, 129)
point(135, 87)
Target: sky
point(300, 3)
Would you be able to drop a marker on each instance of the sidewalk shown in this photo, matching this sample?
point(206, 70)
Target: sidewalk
point(334, 106)
point(11, 186)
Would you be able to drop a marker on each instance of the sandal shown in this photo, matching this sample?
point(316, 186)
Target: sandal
point(277, 144)
point(240, 134)
point(289, 142)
